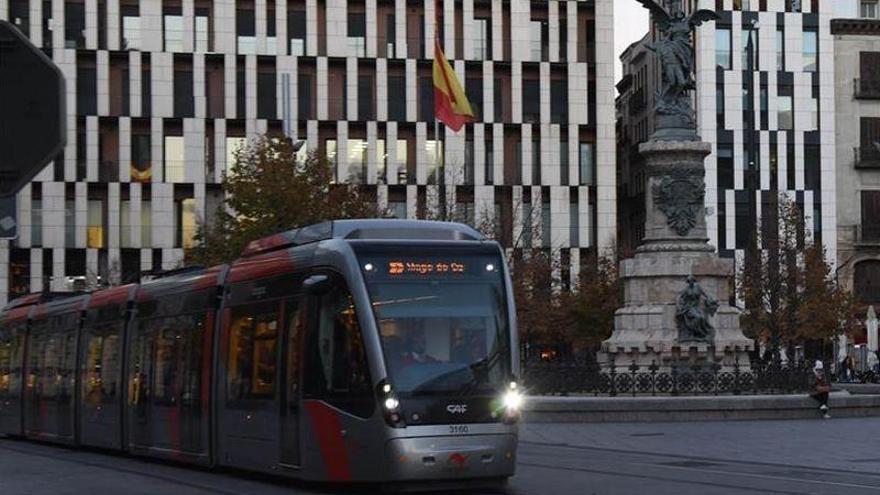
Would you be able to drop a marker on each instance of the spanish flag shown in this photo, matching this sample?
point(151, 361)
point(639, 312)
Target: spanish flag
point(451, 105)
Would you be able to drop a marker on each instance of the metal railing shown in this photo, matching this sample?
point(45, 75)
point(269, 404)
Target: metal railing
point(867, 234)
point(868, 89)
point(866, 156)
point(565, 378)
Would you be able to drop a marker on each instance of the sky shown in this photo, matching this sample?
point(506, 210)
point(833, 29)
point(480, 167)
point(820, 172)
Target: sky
point(630, 24)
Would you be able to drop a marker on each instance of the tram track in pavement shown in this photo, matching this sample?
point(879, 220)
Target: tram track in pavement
point(40, 450)
point(644, 465)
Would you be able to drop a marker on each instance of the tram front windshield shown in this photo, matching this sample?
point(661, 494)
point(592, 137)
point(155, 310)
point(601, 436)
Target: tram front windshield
point(442, 321)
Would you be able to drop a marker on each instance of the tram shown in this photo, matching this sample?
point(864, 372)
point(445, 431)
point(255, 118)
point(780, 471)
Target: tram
point(347, 351)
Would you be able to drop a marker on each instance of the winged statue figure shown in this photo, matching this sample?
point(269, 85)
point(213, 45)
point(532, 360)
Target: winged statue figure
point(675, 50)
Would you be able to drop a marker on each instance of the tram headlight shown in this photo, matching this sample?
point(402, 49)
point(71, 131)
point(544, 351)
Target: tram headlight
point(512, 400)
point(391, 403)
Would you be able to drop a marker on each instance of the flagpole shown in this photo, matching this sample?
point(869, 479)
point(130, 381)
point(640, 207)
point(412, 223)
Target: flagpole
point(437, 141)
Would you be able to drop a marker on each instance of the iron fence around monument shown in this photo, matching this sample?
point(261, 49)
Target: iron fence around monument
point(568, 378)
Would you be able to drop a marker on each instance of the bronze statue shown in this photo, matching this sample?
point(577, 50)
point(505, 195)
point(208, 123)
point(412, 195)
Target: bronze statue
point(676, 52)
point(692, 312)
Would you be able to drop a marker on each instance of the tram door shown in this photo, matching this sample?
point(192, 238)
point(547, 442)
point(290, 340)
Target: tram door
point(11, 350)
point(296, 316)
point(249, 391)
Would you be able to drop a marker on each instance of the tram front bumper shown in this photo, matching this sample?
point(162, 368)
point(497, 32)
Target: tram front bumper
point(452, 457)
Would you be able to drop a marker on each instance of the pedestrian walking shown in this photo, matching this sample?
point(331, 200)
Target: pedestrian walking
point(821, 388)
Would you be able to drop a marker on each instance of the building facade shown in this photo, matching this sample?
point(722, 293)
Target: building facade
point(769, 116)
point(161, 93)
point(856, 33)
point(635, 125)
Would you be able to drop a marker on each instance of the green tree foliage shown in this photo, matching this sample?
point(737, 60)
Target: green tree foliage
point(270, 190)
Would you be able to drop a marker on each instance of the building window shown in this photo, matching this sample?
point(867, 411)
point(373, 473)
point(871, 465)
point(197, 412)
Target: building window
point(531, 102)
point(390, 35)
point(564, 166)
point(489, 162)
point(474, 92)
point(559, 101)
point(780, 49)
point(174, 162)
point(234, 146)
point(434, 158)
point(586, 164)
point(266, 100)
point(536, 161)
point(173, 25)
point(184, 101)
point(95, 235)
point(866, 283)
point(722, 48)
point(381, 162)
point(426, 99)
point(468, 161)
point(574, 224)
point(331, 154)
point(482, 39)
point(539, 38)
point(366, 97)
point(402, 161)
point(187, 223)
point(870, 224)
point(47, 24)
point(246, 31)
point(811, 50)
point(753, 36)
point(357, 161)
point(271, 29)
point(397, 209)
point(19, 14)
point(296, 29)
point(785, 114)
point(397, 106)
point(131, 27)
point(141, 167)
point(869, 9)
point(125, 240)
point(36, 222)
point(146, 223)
point(86, 91)
point(203, 30)
point(304, 97)
point(546, 231)
point(357, 34)
point(74, 24)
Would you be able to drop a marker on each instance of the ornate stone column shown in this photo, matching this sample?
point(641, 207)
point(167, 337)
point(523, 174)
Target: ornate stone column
point(657, 323)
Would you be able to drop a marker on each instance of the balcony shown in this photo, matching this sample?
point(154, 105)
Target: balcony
point(867, 89)
point(867, 156)
point(867, 235)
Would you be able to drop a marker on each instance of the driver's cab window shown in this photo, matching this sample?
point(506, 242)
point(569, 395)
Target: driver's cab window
point(336, 369)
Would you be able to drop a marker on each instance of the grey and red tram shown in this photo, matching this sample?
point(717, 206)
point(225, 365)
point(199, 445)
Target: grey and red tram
point(347, 351)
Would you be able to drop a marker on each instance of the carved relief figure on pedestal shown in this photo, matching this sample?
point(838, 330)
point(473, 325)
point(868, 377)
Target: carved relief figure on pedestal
point(692, 312)
point(680, 197)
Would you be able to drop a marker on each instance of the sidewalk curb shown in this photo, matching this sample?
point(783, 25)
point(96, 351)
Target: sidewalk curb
point(541, 409)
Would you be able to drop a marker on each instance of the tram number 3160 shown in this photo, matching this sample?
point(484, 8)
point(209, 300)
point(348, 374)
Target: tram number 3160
point(458, 429)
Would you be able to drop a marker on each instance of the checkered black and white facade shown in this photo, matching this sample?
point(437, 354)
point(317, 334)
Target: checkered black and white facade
point(161, 92)
point(794, 120)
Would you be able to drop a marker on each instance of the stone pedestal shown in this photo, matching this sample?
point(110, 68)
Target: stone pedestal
point(676, 246)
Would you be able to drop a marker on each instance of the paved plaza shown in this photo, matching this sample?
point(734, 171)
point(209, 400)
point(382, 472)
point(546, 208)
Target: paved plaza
point(840, 456)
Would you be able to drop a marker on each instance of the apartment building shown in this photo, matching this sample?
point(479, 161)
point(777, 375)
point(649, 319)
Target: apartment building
point(162, 92)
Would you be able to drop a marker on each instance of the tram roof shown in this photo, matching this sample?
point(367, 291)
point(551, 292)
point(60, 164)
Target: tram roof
point(378, 229)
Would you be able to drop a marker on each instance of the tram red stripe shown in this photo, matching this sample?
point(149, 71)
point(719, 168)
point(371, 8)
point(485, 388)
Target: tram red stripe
point(329, 431)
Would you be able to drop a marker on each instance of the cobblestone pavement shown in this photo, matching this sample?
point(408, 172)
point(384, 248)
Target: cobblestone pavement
point(840, 456)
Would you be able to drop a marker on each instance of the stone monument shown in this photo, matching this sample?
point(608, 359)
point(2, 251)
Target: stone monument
point(676, 288)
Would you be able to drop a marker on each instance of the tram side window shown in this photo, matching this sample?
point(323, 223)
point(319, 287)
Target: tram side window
point(295, 317)
point(178, 359)
point(51, 364)
point(253, 352)
point(337, 369)
point(102, 364)
point(9, 367)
